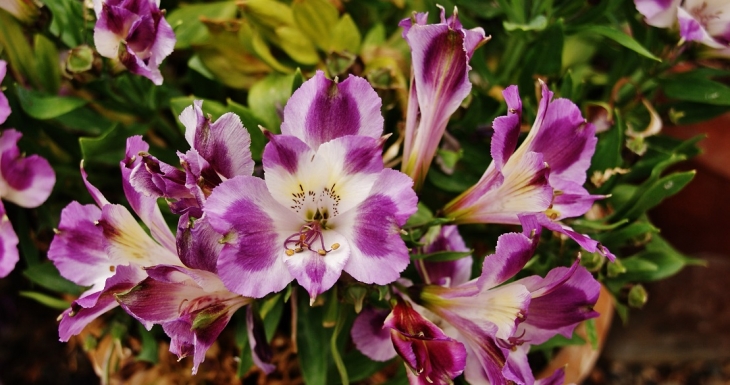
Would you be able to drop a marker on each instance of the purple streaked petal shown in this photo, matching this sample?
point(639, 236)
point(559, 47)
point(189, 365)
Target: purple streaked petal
point(377, 252)
point(224, 143)
point(111, 27)
point(513, 251)
point(658, 13)
point(557, 378)
point(447, 273)
point(25, 181)
point(517, 368)
point(260, 348)
point(524, 189)
point(322, 110)
point(197, 243)
point(583, 240)
point(79, 248)
point(96, 195)
point(127, 241)
point(252, 260)
point(137, 65)
point(4, 105)
point(318, 273)
point(573, 201)
point(561, 300)
point(370, 336)
point(285, 153)
point(8, 244)
point(146, 207)
point(440, 55)
point(200, 177)
point(154, 178)
point(433, 356)
point(88, 308)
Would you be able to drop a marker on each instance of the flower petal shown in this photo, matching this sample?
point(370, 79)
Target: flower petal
point(377, 252)
point(25, 181)
point(197, 243)
point(252, 260)
point(370, 336)
point(225, 143)
point(79, 248)
point(318, 273)
point(447, 273)
point(322, 110)
point(8, 244)
point(658, 13)
point(4, 105)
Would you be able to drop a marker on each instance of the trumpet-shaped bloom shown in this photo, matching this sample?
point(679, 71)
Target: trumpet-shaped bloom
point(25, 181)
point(192, 306)
point(102, 246)
point(704, 21)
point(134, 32)
point(4, 106)
point(432, 356)
point(544, 175)
point(439, 83)
point(327, 204)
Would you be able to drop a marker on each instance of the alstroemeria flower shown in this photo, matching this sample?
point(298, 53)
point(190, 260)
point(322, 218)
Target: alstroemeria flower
point(439, 83)
point(220, 151)
point(4, 105)
point(327, 205)
point(432, 356)
point(25, 181)
point(704, 21)
point(134, 32)
point(104, 247)
point(544, 175)
point(193, 306)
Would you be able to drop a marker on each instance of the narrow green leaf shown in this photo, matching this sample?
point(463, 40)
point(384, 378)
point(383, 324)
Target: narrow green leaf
point(312, 341)
point(592, 333)
point(46, 61)
point(148, 352)
point(46, 300)
point(16, 49)
point(109, 147)
point(297, 45)
point(443, 256)
point(421, 217)
point(658, 191)
point(68, 22)
point(621, 38)
point(336, 356)
point(268, 96)
point(46, 275)
point(44, 106)
point(697, 89)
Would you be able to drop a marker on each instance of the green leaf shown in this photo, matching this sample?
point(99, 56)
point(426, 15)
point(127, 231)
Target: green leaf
point(269, 96)
point(185, 20)
point(43, 106)
point(697, 89)
point(592, 333)
point(443, 256)
point(46, 275)
point(621, 237)
point(621, 38)
point(109, 148)
point(148, 351)
point(537, 24)
point(268, 13)
point(684, 113)
point(558, 341)
point(421, 217)
point(297, 45)
point(46, 61)
point(68, 21)
point(298, 80)
point(346, 36)
point(336, 356)
point(312, 341)
point(252, 39)
point(316, 18)
point(16, 49)
point(657, 192)
point(43, 299)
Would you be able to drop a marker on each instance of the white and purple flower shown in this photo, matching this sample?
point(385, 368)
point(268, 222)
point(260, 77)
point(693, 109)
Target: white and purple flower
point(134, 32)
point(25, 181)
point(704, 21)
point(327, 204)
point(439, 83)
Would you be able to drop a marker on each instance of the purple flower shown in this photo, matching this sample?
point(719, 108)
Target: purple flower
point(705, 21)
point(432, 356)
point(327, 204)
point(192, 306)
point(25, 181)
point(544, 175)
point(135, 33)
point(4, 106)
point(104, 247)
point(439, 83)
point(447, 273)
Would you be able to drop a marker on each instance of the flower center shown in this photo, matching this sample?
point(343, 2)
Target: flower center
point(309, 237)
